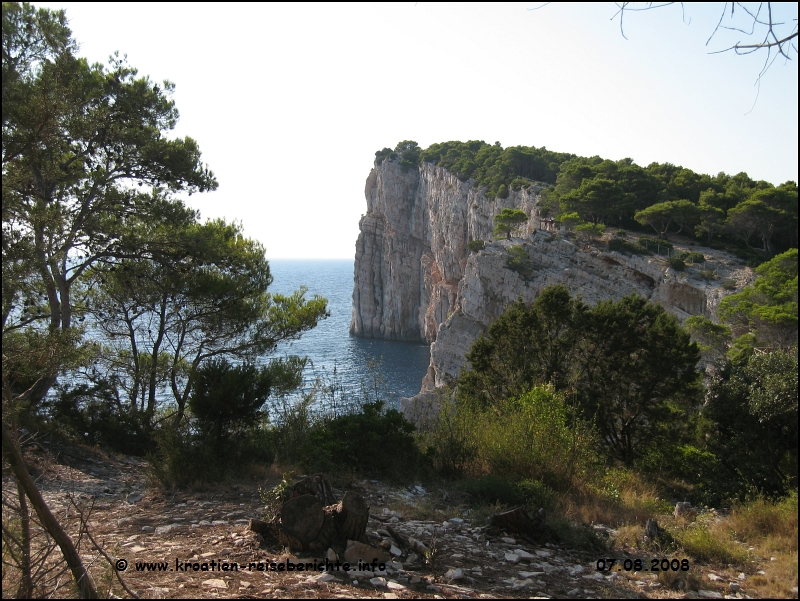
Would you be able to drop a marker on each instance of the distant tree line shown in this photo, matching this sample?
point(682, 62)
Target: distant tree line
point(661, 197)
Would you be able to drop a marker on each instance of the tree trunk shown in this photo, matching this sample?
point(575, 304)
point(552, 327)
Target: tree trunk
point(303, 524)
point(350, 517)
point(301, 520)
point(14, 457)
point(317, 486)
point(25, 590)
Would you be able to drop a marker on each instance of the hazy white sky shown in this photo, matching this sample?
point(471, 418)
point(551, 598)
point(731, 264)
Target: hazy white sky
point(290, 102)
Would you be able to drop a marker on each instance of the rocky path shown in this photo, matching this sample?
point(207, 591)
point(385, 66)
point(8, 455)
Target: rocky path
point(187, 545)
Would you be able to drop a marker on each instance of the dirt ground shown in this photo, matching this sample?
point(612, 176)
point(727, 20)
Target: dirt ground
point(196, 535)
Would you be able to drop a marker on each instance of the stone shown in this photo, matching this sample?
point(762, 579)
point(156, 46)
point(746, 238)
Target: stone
point(735, 587)
point(709, 594)
point(530, 574)
point(714, 578)
point(512, 558)
point(216, 583)
point(508, 541)
point(395, 586)
point(330, 555)
point(524, 555)
point(326, 577)
point(573, 592)
point(378, 581)
point(134, 497)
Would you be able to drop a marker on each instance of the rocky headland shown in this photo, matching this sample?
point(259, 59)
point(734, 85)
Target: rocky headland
point(416, 279)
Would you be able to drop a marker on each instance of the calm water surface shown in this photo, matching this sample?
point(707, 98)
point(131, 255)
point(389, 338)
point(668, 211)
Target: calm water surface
point(330, 346)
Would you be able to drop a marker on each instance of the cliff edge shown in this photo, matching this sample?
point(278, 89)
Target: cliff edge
point(415, 278)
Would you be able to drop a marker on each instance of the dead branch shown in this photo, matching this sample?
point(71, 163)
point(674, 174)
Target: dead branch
point(111, 562)
point(81, 575)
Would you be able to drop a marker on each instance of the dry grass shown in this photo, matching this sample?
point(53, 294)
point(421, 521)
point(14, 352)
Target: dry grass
point(623, 498)
point(679, 581)
point(710, 542)
point(771, 527)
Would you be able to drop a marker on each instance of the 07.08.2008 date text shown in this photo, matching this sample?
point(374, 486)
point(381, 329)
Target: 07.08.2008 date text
point(641, 565)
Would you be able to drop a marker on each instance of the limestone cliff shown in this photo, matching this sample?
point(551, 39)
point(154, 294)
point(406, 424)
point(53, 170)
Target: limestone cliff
point(415, 279)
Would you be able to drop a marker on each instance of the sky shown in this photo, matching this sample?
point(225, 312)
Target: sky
point(290, 102)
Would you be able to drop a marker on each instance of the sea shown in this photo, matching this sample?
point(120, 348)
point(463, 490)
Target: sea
point(359, 368)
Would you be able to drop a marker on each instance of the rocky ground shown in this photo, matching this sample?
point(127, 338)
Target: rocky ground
point(144, 526)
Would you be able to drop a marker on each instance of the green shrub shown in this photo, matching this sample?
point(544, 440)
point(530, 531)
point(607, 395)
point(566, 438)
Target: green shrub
point(691, 257)
point(621, 234)
point(493, 489)
point(449, 444)
point(476, 245)
point(591, 230)
point(534, 438)
point(729, 285)
point(625, 247)
point(520, 261)
point(93, 415)
point(653, 243)
point(676, 264)
point(355, 442)
point(185, 457)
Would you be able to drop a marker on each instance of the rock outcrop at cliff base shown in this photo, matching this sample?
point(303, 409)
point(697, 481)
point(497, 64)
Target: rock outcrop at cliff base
point(415, 278)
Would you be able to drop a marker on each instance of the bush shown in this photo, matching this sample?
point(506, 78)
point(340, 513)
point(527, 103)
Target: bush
point(649, 242)
point(676, 264)
point(493, 489)
point(520, 261)
point(185, 457)
point(93, 415)
point(476, 245)
point(691, 257)
point(535, 437)
point(356, 442)
point(621, 234)
point(625, 247)
point(226, 399)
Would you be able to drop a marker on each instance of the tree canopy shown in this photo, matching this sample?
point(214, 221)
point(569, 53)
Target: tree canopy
point(507, 221)
point(84, 150)
point(768, 307)
point(670, 199)
point(628, 364)
point(92, 231)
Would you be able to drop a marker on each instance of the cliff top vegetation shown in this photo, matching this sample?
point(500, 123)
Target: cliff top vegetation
point(735, 211)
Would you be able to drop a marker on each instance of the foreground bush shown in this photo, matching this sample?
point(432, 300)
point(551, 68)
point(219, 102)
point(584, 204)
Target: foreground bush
point(534, 437)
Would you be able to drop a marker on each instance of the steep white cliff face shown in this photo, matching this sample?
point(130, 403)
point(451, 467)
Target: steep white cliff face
point(412, 249)
point(415, 279)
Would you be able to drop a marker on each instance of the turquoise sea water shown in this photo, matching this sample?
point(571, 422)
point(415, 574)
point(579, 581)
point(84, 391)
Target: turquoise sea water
point(329, 345)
